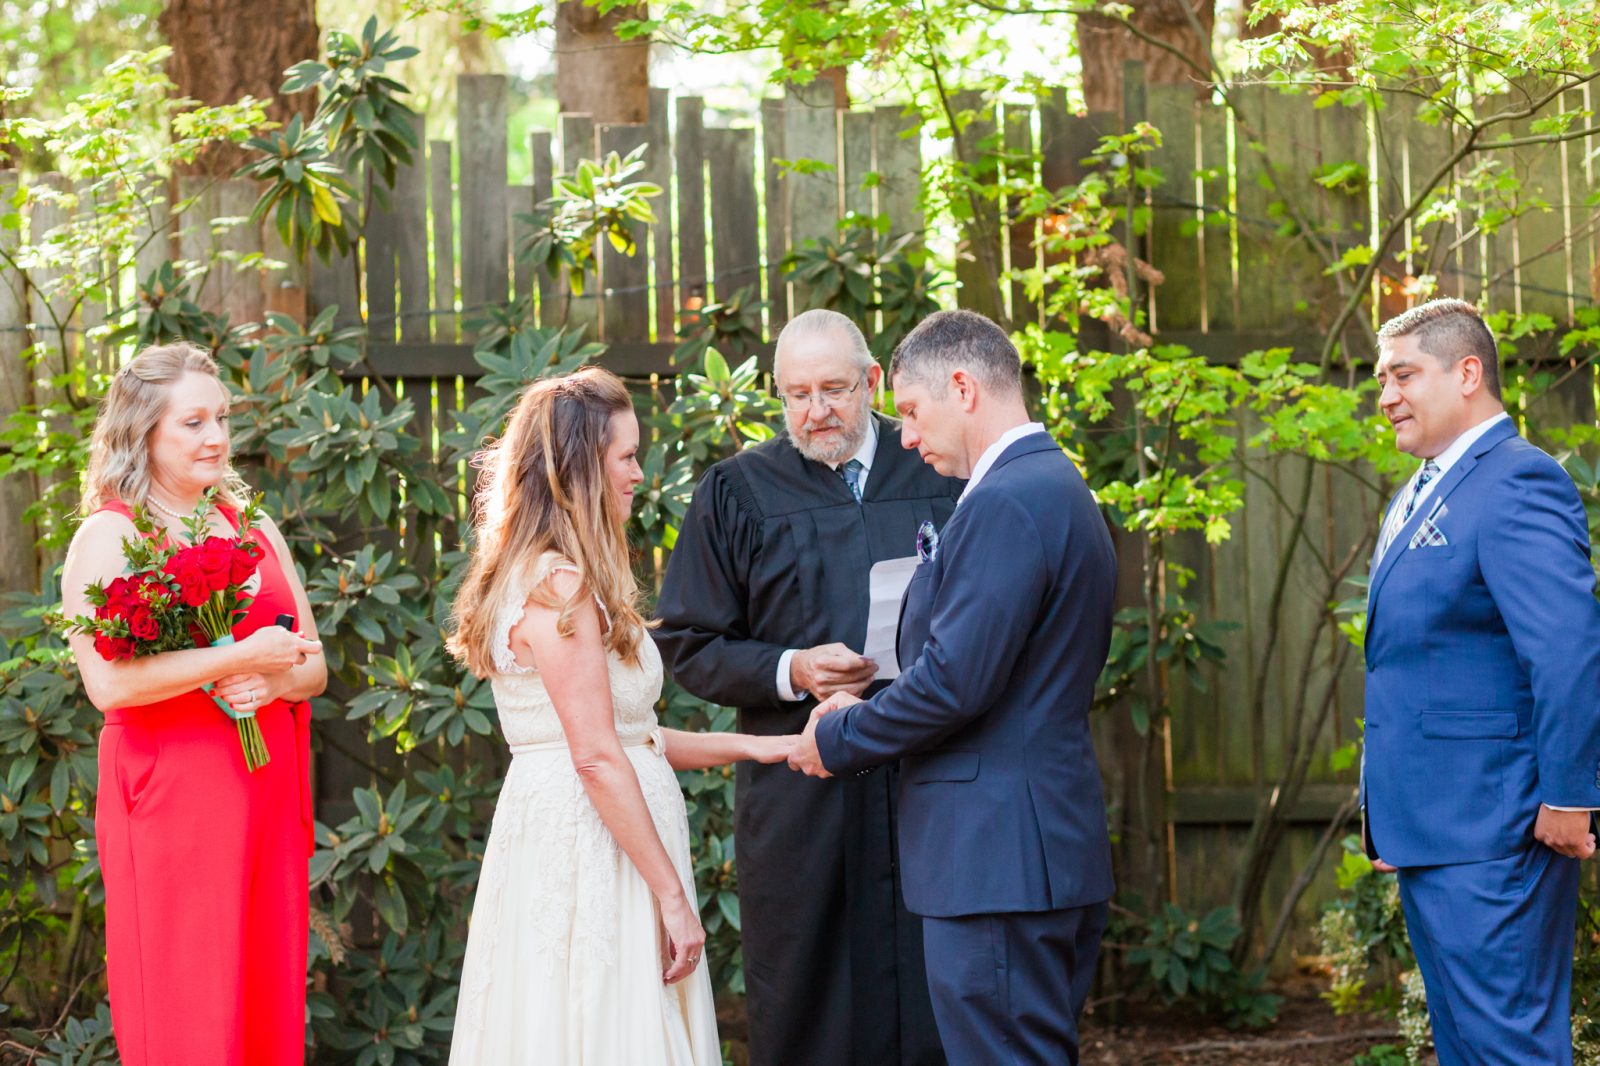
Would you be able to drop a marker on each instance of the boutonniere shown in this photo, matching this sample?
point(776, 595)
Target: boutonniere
point(927, 543)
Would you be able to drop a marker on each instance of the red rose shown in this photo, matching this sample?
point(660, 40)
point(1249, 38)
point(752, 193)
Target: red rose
point(246, 557)
point(113, 648)
point(142, 624)
point(122, 595)
point(185, 570)
point(216, 560)
point(155, 591)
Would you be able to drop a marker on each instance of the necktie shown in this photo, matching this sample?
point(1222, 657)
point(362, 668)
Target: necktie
point(1430, 470)
point(851, 472)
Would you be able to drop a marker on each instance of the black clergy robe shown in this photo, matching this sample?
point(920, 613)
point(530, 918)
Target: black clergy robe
point(774, 554)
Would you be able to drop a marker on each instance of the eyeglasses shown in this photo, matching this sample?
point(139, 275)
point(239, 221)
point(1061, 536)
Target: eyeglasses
point(797, 400)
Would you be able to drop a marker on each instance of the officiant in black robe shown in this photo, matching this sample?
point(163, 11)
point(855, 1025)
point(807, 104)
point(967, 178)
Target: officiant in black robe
point(764, 608)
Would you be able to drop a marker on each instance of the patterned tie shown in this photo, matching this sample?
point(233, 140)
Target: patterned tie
point(851, 472)
point(1430, 470)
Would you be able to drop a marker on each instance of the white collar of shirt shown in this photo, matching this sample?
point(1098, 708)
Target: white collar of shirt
point(1452, 455)
point(1458, 447)
point(867, 452)
point(992, 453)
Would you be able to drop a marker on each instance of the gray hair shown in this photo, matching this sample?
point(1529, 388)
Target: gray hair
point(947, 341)
point(819, 321)
point(1449, 330)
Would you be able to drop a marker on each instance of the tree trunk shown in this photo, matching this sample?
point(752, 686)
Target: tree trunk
point(1104, 44)
point(1333, 63)
point(224, 50)
point(597, 73)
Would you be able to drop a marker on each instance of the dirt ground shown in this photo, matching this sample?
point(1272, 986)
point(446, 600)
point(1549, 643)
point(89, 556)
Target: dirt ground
point(1306, 1034)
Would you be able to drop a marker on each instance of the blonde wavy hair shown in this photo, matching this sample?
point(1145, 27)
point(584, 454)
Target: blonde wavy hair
point(543, 488)
point(119, 450)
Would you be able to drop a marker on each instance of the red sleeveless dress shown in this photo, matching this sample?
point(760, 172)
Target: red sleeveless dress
point(205, 871)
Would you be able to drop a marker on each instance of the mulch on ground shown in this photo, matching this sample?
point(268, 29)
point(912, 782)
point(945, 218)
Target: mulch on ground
point(1307, 1033)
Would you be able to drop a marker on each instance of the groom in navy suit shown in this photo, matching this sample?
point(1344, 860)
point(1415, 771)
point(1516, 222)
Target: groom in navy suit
point(1482, 756)
point(1005, 627)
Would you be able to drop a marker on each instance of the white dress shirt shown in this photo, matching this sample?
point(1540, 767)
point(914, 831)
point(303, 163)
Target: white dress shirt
point(864, 455)
point(991, 454)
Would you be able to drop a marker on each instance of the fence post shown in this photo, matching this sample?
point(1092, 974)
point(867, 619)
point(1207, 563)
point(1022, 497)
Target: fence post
point(19, 569)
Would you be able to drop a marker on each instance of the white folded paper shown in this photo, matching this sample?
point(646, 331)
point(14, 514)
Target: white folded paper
point(887, 582)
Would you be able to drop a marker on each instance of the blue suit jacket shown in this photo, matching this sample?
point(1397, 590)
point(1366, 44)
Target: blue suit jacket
point(1483, 662)
point(1001, 805)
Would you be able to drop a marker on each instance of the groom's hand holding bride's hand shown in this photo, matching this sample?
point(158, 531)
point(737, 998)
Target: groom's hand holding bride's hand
point(805, 757)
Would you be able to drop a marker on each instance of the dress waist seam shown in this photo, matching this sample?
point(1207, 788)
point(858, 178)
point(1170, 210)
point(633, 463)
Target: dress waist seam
point(654, 739)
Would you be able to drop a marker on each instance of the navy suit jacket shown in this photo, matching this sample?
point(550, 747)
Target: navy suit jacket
point(1483, 662)
point(1001, 804)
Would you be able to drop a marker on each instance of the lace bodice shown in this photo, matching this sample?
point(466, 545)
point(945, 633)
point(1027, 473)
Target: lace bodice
point(526, 714)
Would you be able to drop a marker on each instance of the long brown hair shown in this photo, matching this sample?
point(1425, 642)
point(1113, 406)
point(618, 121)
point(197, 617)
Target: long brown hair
point(119, 449)
point(543, 488)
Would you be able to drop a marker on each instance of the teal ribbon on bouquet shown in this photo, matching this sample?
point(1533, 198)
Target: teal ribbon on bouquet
point(250, 738)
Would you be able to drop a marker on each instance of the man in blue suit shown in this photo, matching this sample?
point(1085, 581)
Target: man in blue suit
point(1004, 629)
point(1482, 753)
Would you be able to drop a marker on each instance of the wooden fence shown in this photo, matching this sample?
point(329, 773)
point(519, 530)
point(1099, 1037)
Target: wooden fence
point(734, 204)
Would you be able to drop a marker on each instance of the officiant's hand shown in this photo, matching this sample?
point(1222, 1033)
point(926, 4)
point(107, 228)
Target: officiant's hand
point(1566, 832)
point(830, 668)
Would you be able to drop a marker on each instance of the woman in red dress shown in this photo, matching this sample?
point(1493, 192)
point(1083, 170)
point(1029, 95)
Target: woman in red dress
point(204, 862)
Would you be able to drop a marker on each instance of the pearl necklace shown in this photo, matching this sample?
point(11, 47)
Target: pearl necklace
point(169, 512)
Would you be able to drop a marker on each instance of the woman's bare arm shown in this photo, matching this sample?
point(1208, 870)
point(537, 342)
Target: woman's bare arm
point(575, 673)
point(96, 555)
point(699, 751)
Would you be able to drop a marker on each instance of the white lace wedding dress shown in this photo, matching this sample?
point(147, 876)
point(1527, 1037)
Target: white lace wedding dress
point(565, 950)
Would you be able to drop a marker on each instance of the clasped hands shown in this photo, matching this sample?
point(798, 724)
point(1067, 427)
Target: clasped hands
point(805, 757)
point(837, 676)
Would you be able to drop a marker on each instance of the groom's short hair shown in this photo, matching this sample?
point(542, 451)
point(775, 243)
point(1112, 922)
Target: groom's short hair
point(946, 341)
point(1449, 330)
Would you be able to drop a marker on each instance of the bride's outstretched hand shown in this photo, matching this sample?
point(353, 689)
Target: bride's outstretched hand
point(686, 939)
point(772, 749)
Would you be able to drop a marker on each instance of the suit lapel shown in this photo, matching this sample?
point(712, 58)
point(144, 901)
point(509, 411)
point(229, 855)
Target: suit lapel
point(1447, 484)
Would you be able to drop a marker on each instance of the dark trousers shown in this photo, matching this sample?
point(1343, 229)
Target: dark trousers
point(1008, 988)
point(1494, 944)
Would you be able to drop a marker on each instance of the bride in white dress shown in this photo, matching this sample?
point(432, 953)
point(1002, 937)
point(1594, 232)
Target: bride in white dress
point(585, 941)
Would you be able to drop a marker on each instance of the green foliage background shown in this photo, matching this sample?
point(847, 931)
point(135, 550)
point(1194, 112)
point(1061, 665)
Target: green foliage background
point(374, 520)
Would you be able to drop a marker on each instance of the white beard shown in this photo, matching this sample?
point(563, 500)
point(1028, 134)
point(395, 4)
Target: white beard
point(836, 453)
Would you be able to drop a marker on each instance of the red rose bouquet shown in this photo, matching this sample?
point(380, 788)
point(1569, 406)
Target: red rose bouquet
point(180, 596)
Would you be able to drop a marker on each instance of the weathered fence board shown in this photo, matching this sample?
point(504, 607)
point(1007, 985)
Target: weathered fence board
point(689, 154)
point(411, 243)
point(735, 244)
point(441, 191)
point(625, 278)
point(481, 120)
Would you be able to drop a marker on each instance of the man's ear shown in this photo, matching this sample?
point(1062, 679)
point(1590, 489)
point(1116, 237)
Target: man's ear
point(1470, 371)
point(874, 376)
point(966, 387)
